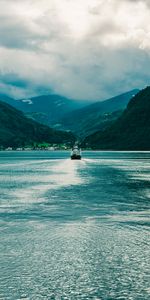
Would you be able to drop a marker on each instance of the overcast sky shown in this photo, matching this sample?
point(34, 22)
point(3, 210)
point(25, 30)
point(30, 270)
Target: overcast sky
point(82, 49)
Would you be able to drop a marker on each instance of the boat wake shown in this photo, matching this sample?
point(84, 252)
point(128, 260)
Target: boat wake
point(32, 183)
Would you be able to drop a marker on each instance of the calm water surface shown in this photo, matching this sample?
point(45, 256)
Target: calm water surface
point(74, 229)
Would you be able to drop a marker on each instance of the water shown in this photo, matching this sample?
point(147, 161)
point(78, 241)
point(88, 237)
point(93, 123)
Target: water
point(74, 229)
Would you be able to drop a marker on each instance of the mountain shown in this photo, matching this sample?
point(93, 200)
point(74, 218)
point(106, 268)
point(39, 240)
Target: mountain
point(131, 131)
point(8, 100)
point(17, 130)
point(46, 109)
point(80, 117)
point(96, 116)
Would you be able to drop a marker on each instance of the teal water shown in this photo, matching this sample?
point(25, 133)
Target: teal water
point(74, 229)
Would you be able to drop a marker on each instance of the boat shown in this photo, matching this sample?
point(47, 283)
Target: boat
point(76, 152)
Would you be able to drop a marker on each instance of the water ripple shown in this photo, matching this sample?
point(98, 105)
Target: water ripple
point(74, 230)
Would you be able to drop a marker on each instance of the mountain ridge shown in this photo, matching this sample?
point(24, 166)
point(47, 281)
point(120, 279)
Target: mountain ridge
point(46, 109)
point(17, 130)
point(131, 131)
point(101, 113)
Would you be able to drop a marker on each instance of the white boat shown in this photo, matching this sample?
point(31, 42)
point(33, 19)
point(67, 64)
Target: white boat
point(76, 152)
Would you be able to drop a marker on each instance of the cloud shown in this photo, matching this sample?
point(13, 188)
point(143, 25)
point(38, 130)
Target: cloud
point(81, 49)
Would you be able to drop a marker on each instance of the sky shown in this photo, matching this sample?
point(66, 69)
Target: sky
point(81, 49)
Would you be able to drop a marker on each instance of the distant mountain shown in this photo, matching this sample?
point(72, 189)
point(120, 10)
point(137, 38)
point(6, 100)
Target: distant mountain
point(131, 131)
point(17, 130)
point(46, 109)
point(96, 116)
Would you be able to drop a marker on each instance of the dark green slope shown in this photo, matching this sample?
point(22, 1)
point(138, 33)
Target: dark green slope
point(131, 131)
point(17, 130)
point(96, 116)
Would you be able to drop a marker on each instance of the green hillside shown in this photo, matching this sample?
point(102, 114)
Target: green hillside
point(16, 130)
point(96, 116)
point(131, 131)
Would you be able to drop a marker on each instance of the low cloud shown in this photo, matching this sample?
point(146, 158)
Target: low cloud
point(81, 49)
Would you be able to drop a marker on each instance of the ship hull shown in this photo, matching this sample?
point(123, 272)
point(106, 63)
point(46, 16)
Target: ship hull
point(76, 156)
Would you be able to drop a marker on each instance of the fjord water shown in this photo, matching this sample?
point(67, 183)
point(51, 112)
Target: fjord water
point(74, 229)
